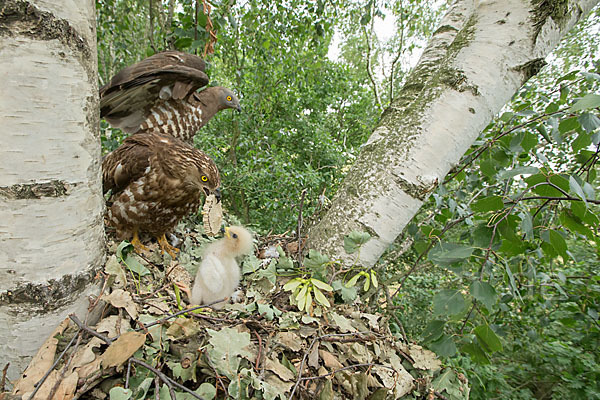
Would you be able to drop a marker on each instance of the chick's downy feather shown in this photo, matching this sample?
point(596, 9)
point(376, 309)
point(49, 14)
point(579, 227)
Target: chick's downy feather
point(219, 273)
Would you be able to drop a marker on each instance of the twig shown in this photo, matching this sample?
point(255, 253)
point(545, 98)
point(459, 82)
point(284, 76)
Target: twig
point(157, 388)
point(170, 382)
point(178, 313)
point(440, 396)
point(39, 384)
point(128, 374)
point(300, 225)
point(307, 352)
point(259, 350)
point(567, 198)
point(310, 378)
point(79, 335)
point(3, 382)
point(89, 330)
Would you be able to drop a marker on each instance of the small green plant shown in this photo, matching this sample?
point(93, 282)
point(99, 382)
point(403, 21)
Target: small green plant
point(370, 277)
point(302, 291)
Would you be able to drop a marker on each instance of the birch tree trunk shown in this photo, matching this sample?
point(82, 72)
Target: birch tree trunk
point(51, 231)
point(481, 54)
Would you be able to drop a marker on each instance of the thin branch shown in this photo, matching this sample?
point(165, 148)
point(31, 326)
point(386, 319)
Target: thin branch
point(307, 352)
point(568, 198)
point(299, 232)
point(170, 382)
point(310, 378)
point(89, 330)
point(39, 384)
point(187, 310)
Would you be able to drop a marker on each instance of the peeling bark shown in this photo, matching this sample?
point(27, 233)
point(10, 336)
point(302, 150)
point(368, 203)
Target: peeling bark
point(51, 207)
point(481, 54)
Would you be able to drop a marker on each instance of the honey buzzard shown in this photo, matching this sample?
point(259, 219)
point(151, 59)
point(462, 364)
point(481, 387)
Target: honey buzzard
point(155, 180)
point(158, 95)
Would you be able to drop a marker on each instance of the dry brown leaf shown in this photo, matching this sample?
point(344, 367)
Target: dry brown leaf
point(289, 340)
point(41, 363)
point(66, 389)
point(157, 306)
point(330, 360)
point(90, 368)
point(178, 273)
point(112, 325)
point(424, 359)
point(313, 356)
point(212, 215)
point(122, 299)
point(281, 370)
point(182, 328)
point(85, 354)
point(121, 349)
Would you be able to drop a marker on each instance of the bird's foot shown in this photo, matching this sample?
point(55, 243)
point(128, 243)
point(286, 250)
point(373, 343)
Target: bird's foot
point(165, 246)
point(137, 244)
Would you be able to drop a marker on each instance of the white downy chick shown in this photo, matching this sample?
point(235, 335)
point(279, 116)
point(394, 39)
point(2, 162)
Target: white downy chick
point(219, 274)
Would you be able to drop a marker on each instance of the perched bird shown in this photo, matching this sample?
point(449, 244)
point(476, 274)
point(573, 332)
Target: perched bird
point(158, 95)
point(155, 181)
point(219, 273)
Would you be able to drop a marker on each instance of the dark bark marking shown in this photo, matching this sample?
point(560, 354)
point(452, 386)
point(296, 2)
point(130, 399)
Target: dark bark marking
point(21, 191)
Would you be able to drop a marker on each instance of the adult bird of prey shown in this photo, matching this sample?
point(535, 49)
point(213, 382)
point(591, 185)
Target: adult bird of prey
point(155, 180)
point(159, 95)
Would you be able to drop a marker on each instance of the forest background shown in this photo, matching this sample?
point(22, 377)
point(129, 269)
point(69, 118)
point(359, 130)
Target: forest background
point(498, 273)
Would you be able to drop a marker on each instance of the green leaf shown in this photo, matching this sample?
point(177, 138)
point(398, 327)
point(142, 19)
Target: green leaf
point(582, 141)
point(433, 331)
point(207, 391)
point(491, 203)
point(354, 240)
point(476, 352)
point(511, 281)
point(132, 263)
point(488, 168)
point(488, 338)
point(348, 294)
point(353, 280)
point(374, 279)
point(123, 248)
point(444, 346)
point(576, 188)
point(570, 221)
point(589, 122)
point(485, 293)
point(315, 260)
point(448, 302)
point(293, 284)
point(527, 225)
point(449, 253)
point(119, 393)
point(511, 173)
point(568, 125)
point(367, 282)
point(588, 101)
point(321, 285)
point(320, 297)
point(559, 243)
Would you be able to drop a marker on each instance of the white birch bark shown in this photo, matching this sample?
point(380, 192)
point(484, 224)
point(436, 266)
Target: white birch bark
point(51, 230)
point(477, 59)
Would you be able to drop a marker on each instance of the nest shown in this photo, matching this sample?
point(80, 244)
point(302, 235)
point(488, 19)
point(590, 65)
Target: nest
point(141, 341)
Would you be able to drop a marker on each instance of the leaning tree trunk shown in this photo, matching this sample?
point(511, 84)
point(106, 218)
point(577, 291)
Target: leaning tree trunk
point(477, 59)
point(51, 232)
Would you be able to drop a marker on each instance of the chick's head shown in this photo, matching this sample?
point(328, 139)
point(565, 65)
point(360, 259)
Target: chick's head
point(238, 240)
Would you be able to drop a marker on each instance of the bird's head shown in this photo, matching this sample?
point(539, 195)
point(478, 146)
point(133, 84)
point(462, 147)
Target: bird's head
point(227, 99)
point(238, 240)
point(202, 174)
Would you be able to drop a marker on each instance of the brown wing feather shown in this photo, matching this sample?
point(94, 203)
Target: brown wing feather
point(127, 99)
point(127, 163)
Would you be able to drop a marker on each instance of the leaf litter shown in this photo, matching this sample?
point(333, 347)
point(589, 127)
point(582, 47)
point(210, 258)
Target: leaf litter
point(150, 344)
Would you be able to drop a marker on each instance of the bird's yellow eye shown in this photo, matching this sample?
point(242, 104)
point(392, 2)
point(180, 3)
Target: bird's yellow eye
point(228, 98)
point(204, 178)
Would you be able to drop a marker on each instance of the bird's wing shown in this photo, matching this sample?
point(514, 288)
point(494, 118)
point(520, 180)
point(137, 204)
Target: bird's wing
point(127, 163)
point(211, 273)
point(126, 100)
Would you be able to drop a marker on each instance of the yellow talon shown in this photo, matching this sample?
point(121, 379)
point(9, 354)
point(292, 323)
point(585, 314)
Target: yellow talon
point(137, 244)
point(165, 246)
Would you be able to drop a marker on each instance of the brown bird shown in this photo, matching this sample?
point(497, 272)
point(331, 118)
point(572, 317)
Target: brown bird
point(158, 95)
point(219, 274)
point(155, 180)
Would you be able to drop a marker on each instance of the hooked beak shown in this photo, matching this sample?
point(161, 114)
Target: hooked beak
point(227, 233)
point(239, 108)
point(217, 193)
